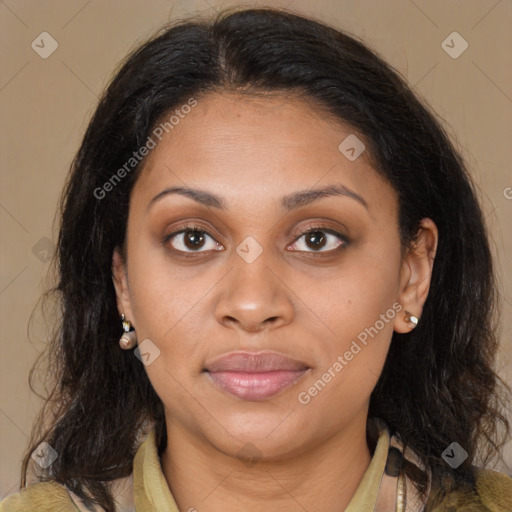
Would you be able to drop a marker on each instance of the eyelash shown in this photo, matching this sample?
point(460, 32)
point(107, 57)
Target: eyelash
point(310, 229)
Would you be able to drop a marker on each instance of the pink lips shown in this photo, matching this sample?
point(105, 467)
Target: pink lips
point(255, 375)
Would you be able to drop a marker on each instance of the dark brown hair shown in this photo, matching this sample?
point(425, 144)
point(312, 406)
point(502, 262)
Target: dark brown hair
point(438, 384)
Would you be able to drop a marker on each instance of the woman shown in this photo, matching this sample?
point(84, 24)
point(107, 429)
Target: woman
point(276, 287)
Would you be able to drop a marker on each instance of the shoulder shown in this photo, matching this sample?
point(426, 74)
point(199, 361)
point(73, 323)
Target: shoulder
point(492, 493)
point(41, 496)
point(494, 489)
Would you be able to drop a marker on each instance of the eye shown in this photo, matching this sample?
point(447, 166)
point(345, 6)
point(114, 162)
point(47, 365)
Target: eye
point(191, 238)
point(318, 238)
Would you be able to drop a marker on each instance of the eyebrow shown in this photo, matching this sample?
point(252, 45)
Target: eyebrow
point(288, 202)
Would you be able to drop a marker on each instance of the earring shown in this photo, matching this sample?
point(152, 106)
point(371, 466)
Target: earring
point(129, 339)
point(411, 319)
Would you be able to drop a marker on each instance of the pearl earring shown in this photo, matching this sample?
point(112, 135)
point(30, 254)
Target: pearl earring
point(129, 339)
point(411, 319)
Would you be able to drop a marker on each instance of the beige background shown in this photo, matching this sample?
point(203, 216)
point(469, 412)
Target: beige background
point(46, 103)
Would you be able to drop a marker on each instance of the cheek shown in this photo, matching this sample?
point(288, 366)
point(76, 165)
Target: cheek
point(357, 307)
point(356, 296)
point(166, 308)
point(353, 353)
point(161, 293)
point(167, 305)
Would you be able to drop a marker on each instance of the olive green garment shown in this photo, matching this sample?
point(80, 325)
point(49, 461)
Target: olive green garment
point(151, 493)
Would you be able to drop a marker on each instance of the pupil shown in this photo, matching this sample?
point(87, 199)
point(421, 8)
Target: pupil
point(193, 239)
point(311, 238)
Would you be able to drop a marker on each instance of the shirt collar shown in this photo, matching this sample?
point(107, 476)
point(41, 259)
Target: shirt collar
point(152, 493)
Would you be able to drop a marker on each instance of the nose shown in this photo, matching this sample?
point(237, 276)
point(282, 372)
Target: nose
point(254, 297)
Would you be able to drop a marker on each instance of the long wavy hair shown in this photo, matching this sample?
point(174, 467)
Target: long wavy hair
point(438, 384)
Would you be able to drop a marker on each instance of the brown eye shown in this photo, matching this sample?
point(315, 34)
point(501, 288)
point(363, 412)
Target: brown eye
point(191, 239)
point(317, 239)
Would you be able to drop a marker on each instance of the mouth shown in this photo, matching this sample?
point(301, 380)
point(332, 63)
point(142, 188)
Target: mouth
point(255, 376)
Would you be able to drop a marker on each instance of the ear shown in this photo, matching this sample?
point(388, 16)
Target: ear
point(415, 274)
point(120, 279)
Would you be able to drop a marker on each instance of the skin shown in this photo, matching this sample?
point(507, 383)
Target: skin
point(252, 152)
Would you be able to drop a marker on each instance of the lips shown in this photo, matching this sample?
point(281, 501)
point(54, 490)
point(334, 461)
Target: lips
point(255, 375)
point(254, 362)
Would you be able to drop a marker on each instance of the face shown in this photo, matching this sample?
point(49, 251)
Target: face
point(255, 262)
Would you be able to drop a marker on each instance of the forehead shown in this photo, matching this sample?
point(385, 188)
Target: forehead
point(251, 148)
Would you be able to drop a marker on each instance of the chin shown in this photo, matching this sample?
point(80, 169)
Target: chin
point(274, 433)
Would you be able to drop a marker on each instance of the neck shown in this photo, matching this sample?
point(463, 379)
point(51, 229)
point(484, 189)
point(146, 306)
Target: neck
point(325, 477)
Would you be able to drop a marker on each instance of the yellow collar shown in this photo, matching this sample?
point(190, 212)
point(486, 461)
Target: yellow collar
point(151, 492)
